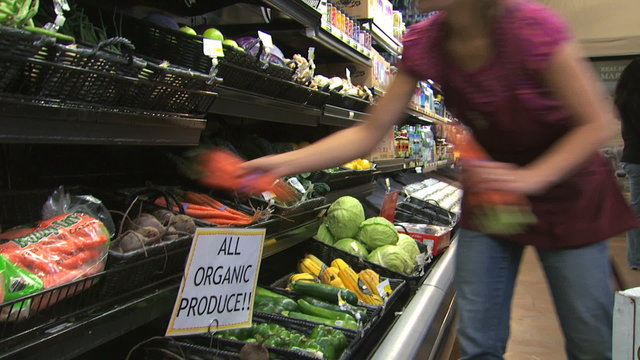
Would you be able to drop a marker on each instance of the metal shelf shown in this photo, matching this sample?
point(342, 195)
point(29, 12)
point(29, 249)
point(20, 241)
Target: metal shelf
point(24, 121)
point(328, 40)
point(391, 165)
point(336, 116)
point(240, 103)
point(298, 10)
point(85, 332)
point(428, 118)
point(422, 325)
point(384, 41)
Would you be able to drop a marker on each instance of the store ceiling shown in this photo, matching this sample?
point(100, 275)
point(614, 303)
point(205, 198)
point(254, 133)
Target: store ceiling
point(603, 27)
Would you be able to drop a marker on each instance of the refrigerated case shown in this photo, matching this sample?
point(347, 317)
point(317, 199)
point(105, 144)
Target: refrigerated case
point(69, 140)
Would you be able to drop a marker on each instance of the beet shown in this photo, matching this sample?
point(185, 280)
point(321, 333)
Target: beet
point(164, 216)
point(145, 219)
point(183, 223)
point(254, 351)
point(130, 241)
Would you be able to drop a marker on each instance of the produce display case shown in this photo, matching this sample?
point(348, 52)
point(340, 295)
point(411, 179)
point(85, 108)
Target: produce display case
point(141, 287)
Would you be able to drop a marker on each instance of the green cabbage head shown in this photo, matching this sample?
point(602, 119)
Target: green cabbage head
point(324, 234)
point(409, 246)
point(352, 246)
point(392, 257)
point(377, 231)
point(344, 217)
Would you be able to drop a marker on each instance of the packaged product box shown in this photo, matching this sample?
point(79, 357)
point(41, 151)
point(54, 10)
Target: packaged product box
point(385, 149)
point(360, 9)
point(378, 75)
point(360, 74)
point(626, 324)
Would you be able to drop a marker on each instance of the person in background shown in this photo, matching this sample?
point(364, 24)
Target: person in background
point(510, 71)
point(627, 100)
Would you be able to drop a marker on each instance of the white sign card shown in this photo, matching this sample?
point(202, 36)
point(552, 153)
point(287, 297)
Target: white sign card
point(219, 282)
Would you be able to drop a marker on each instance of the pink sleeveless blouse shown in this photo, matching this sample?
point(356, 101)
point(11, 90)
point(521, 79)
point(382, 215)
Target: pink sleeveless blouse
point(516, 118)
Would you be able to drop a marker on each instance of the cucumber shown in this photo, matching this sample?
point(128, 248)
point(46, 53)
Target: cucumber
point(359, 313)
point(325, 292)
point(310, 309)
point(266, 292)
point(273, 304)
point(321, 320)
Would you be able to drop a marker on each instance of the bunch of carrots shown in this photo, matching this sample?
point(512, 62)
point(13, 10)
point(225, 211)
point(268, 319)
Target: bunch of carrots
point(206, 208)
point(493, 212)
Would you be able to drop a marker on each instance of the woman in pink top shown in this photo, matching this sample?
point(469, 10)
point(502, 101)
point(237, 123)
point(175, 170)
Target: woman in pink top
point(511, 72)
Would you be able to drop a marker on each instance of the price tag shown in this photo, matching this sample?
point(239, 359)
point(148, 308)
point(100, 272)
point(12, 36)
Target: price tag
point(266, 39)
point(311, 54)
point(219, 281)
point(419, 170)
point(212, 47)
point(384, 288)
point(268, 195)
point(348, 74)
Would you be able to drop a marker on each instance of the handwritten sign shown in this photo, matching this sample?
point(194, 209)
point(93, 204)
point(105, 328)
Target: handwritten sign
point(219, 282)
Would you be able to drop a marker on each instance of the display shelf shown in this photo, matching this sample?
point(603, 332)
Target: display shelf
point(423, 324)
point(298, 10)
point(25, 121)
point(340, 117)
point(426, 117)
point(356, 191)
point(278, 243)
point(88, 330)
point(384, 41)
point(341, 48)
point(240, 103)
point(391, 165)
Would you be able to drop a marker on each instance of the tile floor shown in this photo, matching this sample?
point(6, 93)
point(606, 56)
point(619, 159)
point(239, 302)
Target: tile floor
point(535, 331)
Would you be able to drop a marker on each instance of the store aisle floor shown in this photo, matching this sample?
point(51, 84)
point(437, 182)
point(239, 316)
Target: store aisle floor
point(535, 331)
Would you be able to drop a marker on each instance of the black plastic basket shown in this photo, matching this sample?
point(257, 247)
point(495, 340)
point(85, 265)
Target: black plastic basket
point(342, 179)
point(327, 253)
point(300, 207)
point(275, 352)
point(165, 44)
point(173, 89)
point(21, 44)
point(171, 349)
point(347, 101)
point(137, 269)
point(317, 98)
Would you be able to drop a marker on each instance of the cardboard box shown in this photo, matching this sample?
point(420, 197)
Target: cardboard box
point(376, 76)
point(360, 9)
point(626, 325)
point(386, 149)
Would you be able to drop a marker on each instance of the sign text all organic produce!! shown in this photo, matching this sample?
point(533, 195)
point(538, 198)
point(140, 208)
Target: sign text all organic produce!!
point(219, 282)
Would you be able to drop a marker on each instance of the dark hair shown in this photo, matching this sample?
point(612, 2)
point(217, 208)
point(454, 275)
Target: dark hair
point(628, 87)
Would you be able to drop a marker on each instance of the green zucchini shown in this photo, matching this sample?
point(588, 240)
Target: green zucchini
point(359, 313)
point(325, 292)
point(321, 320)
point(310, 309)
point(273, 304)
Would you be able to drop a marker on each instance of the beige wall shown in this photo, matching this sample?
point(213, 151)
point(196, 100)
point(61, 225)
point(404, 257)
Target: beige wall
point(603, 27)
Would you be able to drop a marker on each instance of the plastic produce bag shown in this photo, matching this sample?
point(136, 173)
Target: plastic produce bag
point(61, 202)
point(56, 251)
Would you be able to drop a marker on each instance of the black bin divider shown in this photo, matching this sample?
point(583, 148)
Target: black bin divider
point(277, 353)
point(327, 252)
point(165, 348)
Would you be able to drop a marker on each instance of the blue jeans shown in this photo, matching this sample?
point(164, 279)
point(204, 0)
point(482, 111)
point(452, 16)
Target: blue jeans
point(580, 281)
point(633, 236)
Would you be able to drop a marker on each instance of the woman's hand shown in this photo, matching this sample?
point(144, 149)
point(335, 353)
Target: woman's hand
point(482, 175)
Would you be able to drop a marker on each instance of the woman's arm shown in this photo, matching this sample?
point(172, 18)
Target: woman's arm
point(574, 82)
point(347, 144)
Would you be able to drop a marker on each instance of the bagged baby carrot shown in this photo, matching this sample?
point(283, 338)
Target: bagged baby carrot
point(492, 212)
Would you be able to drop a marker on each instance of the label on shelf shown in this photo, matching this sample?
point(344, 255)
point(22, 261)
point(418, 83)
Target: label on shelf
point(266, 39)
point(219, 282)
point(212, 47)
